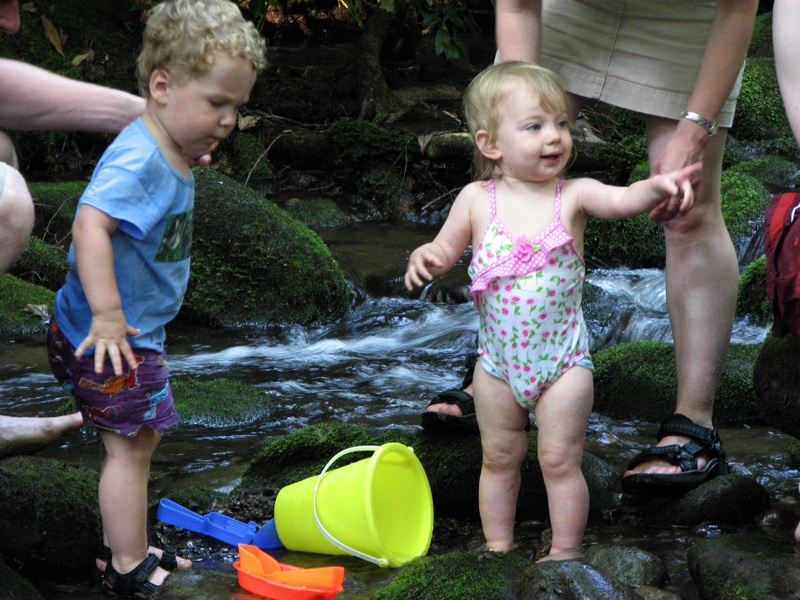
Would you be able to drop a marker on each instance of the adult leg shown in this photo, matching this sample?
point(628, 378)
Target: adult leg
point(16, 216)
point(504, 443)
point(702, 277)
point(562, 417)
point(124, 478)
point(27, 435)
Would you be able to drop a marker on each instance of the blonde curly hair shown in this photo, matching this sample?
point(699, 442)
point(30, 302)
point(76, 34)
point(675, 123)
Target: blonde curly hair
point(485, 93)
point(184, 37)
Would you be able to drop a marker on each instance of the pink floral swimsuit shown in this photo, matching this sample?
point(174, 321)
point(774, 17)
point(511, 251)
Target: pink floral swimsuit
point(528, 296)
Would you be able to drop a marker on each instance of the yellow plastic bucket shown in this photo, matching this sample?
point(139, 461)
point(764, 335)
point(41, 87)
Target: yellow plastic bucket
point(379, 509)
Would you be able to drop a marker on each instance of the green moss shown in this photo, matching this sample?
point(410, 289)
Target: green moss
point(15, 295)
point(456, 576)
point(357, 142)
point(752, 299)
point(317, 213)
point(775, 173)
point(794, 453)
point(56, 204)
point(760, 113)
point(42, 264)
point(744, 200)
point(761, 42)
point(383, 194)
point(219, 402)
point(253, 263)
point(254, 169)
point(638, 380)
point(636, 243)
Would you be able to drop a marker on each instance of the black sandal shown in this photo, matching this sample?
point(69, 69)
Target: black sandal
point(705, 440)
point(133, 584)
point(168, 560)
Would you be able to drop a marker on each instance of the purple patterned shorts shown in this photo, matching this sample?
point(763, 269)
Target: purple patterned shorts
point(120, 403)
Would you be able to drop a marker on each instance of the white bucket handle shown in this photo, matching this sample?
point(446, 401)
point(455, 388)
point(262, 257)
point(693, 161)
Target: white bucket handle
point(381, 562)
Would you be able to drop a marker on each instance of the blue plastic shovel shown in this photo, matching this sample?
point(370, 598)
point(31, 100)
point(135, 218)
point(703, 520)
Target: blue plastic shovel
point(219, 526)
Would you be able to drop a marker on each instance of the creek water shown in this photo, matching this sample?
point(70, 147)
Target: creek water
point(378, 366)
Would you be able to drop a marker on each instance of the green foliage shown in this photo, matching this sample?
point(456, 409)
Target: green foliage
point(450, 20)
point(775, 173)
point(761, 42)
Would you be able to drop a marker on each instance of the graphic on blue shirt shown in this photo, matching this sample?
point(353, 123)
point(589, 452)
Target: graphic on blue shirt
point(176, 245)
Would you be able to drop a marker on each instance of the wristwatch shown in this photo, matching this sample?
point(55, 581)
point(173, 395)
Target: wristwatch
point(707, 124)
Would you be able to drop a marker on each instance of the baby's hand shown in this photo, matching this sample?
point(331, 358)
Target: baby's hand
point(419, 263)
point(108, 334)
point(678, 187)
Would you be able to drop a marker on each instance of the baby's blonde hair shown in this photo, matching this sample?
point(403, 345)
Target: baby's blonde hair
point(184, 37)
point(485, 93)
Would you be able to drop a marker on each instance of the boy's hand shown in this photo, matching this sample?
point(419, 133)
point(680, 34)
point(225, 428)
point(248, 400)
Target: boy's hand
point(108, 334)
point(419, 263)
point(678, 187)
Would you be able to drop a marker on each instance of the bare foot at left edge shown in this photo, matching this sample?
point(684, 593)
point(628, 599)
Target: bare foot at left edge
point(28, 435)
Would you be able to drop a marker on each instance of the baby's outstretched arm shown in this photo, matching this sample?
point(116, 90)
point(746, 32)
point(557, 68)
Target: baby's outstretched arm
point(664, 196)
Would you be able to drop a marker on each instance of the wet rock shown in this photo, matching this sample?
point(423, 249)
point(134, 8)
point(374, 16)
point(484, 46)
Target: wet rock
point(630, 565)
point(15, 296)
point(571, 580)
point(776, 380)
point(731, 499)
point(219, 402)
point(13, 585)
point(745, 566)
point(49, 516)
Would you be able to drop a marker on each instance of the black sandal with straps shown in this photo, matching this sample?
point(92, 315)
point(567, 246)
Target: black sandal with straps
point(168, 560)
point(704, 440)
point(133, 584)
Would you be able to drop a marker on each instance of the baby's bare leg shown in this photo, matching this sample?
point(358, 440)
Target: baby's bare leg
point(562, 416)
point(27, 435)
point(504, 442)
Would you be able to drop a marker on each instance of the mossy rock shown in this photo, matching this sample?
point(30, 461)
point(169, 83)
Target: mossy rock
point(317, 213)
point(253, 263)
point(610, 162)
point(452, 464)
point(42, 264)
point(637, 380)
point(15, 586)
point(458, 576)
point(775, 172)
point(383, 195)
point(744, 201)
point(760, 113)
point(15, 296)
point(794, 453)
point(219, 402)
point(56, 205)
point(637, 243)
point(252, 161)
point(49, 516)
point(363, 145)
point(752, 299)
point(776, 380)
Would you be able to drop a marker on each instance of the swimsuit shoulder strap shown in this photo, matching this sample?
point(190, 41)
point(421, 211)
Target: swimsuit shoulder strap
point(557, 202)
point(492, 201)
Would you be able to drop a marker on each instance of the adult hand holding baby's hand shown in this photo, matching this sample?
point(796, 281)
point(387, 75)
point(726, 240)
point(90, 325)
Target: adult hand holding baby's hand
point(679, 188)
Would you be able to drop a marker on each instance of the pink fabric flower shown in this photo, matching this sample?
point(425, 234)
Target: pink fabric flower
point(523, 250)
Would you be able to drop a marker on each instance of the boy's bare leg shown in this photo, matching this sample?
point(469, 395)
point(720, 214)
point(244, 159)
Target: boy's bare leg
point(28, 435)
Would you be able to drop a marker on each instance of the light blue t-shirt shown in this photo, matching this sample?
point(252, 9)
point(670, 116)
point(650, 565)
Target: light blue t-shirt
point(135, 184)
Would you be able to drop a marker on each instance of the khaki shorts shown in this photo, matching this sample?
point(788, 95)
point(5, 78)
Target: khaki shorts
point(643, 55)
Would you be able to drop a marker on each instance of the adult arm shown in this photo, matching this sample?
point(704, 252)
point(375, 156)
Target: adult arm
point(32, 98)
point(785, 19)
point(723, 58)
point(518, 29)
